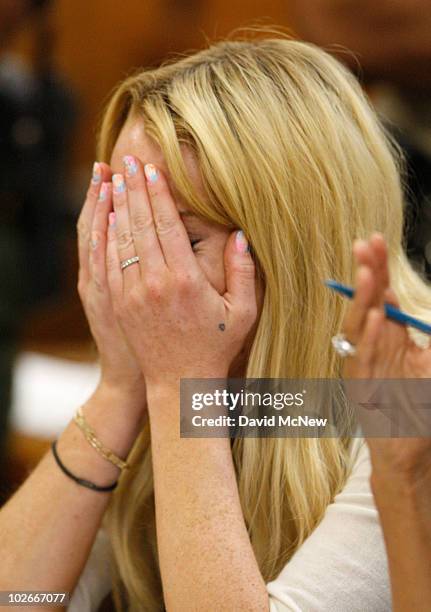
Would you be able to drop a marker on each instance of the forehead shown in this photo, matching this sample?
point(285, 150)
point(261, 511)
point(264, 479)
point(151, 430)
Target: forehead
point(133, 140)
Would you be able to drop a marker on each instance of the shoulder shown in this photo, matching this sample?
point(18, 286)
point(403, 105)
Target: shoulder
point(95, 581)
point(342, 564)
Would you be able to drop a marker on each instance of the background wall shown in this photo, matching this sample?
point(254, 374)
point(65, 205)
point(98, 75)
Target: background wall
point(100, 41)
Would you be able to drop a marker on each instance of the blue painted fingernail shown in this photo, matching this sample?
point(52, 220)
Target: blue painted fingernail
point(151, 173)
point(131, 165)
point(119, 184)
point(103, 194)
point(94, 240)
point(241, 242)
point(112, 219)
point(97, 173)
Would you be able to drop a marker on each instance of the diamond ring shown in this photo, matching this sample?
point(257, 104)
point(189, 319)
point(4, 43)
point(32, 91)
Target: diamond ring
point(343, 346)
point(128, 262)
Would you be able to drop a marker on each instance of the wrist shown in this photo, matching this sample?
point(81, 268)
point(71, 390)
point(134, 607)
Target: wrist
point(165, 397)
point(391, 488)
point(115, 422)
point(161, 392)
point(116, 414)
point(130, 397)
point(171, 384)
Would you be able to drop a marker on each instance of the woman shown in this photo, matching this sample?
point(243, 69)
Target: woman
point(401, 466)
point(276, 138)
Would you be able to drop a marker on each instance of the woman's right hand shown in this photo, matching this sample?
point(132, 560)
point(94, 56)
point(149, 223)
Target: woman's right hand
point(120, 371)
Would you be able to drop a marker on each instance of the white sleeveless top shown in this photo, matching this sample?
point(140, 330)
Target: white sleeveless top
point(341, 567)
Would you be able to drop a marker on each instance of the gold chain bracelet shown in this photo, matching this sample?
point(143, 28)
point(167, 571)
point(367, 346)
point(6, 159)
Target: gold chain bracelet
point(96, 443)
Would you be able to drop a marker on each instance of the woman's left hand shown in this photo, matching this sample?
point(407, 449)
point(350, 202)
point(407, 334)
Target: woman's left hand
point(384, 350)
point(177, 323)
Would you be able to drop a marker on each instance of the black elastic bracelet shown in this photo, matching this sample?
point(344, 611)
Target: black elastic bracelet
point(80, 481)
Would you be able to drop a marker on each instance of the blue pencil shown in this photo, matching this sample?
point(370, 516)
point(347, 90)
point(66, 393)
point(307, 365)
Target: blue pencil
point(391, 312)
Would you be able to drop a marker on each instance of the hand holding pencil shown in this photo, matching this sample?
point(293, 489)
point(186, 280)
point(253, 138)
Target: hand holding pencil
point(376, 326)
point(384, 350)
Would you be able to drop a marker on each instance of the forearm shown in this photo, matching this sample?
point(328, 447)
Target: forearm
point(48, 527)
point(405, 511)
point(206, 559)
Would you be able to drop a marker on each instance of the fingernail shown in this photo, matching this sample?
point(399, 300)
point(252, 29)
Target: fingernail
point(359, 242)
point(241, 242)
point(151, 173)
point(119, 184)
point(97, 173)
point(103, 194)
point(94, 240)
point(131, 165)
point(112, 219)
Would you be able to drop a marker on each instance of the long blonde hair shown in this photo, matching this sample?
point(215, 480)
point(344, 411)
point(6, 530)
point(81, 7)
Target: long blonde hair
point(290, 151)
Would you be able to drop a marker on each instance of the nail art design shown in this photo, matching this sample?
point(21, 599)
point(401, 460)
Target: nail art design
point(112, 219)
point(151, 173)
point(94, 240)
point(131, 165)
point(119, 184)
point(97, 173)
point(241, 243)
point(103, 194)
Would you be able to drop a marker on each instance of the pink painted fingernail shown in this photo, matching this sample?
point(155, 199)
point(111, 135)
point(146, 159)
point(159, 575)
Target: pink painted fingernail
point(112, 219)
point(131, 165)
point(97, 173)
point(241, 243)
point(103, 194)
point(119, 184)
point(151, 173)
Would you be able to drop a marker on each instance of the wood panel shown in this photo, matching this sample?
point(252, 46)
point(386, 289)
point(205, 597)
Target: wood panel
point(100, 41)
